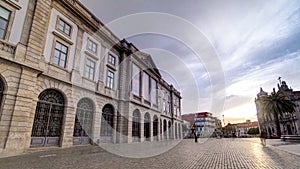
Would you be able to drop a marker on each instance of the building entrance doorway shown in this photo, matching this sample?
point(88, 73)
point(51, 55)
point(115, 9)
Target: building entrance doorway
point(48, 120)
point(83, 122)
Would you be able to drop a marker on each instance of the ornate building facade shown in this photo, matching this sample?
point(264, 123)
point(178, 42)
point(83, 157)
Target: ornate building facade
point(288, 124)
point(65, 79)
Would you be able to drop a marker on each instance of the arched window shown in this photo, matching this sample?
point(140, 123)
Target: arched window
point(136, 125)
point(170, 129)
point(155, 127)
point(107, 121)
point(83, 121)
point(161, 128)
point(1, 93)
point(179, 130)
point(165, 129)
point(147, 124)
point(48, 120)
point(176, 137)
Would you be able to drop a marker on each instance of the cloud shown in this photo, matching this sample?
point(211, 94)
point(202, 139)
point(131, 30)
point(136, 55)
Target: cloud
point(238, 36)
point(266, 74)
point(243, 89)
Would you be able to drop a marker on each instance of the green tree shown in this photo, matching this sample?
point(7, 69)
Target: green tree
point(253, 131)
point(184, 127)
point(278, 104)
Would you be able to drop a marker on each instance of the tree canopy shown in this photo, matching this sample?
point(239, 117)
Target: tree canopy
point(278, 104)
point(253, 131)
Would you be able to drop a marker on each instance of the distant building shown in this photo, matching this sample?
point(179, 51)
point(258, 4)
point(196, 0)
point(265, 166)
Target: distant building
point(204, 123)
point(243, 128)
point(189, 118)
point(288, 124)
point(218, 123)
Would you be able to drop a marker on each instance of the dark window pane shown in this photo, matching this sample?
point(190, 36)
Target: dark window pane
point(1, 34)
point(4, 13)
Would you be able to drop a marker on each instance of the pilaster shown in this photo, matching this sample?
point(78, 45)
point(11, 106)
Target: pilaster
point(21, 121)
point(37, 35)
point(68, 127)
point(75, 76)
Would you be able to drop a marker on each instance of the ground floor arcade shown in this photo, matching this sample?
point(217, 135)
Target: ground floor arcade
point(39, 111)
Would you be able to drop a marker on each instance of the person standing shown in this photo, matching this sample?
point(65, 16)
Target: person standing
point(263, 136)
point(194, 132)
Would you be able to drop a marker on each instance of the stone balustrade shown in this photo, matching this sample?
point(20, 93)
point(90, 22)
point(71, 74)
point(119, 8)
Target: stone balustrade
point(7, 47)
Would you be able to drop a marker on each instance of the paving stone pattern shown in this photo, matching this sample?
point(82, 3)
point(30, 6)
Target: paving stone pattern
point(213, 153)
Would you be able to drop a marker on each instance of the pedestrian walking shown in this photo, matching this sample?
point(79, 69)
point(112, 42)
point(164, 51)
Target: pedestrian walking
point(194, 132)
point(263, 136)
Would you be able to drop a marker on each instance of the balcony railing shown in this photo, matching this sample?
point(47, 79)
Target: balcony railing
point(7, 47)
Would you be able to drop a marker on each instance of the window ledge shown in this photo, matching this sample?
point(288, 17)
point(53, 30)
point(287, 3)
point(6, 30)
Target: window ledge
point(85, 78)
point(59, 67)
point(111, 67)
point(91, 54)
point(108, 88)
point(137, 97)
point(62, 37)
point(147, 102)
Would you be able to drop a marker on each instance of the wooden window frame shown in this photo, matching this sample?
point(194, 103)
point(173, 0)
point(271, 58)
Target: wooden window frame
point(89, 40)
point(110, 84)
point(90, 68)
point(12, 8)
point(110, 56)
point(65, 23)
point(53, 52)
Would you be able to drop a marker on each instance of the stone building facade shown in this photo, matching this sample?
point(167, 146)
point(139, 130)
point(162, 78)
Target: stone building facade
point(288, 124)
point(65, 79)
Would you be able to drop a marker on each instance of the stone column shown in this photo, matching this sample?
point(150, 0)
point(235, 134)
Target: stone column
point(158, 130)
point(123, 105)
point(151, 129)
point(114, 139)
point(68, 126)
point(19, 132)
point(75, 75)
point(96, 126)
point(142, 129)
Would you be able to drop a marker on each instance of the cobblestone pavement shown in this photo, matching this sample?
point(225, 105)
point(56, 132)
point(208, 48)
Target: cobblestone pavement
point(213, 153)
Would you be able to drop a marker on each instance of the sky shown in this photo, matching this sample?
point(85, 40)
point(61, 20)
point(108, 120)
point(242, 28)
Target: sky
point(216, 53)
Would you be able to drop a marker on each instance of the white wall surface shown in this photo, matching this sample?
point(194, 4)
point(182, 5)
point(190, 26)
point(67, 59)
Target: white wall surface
point(18, 23)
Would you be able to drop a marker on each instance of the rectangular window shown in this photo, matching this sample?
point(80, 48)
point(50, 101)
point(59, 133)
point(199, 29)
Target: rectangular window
point(89, 69)
point(110, 79)
point(64, 27)
point(153, 91)
point(92, 46)
point(164, 106)
point(60, 54)
point(111, 59)
point(4, 19)
point(146, 87)
point(136, 80)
